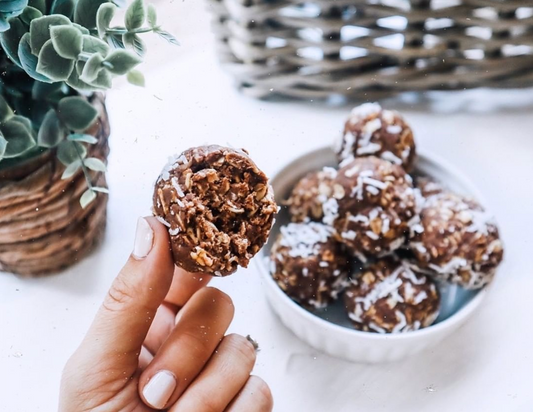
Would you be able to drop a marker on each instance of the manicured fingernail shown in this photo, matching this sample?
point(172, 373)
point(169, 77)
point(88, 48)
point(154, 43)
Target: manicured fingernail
point(144, 239)
point(159, 389)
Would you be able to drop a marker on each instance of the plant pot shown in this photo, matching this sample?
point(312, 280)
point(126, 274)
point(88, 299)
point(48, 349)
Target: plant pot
point(43, 228)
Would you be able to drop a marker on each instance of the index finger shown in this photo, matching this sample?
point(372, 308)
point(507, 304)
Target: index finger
point(184, 285)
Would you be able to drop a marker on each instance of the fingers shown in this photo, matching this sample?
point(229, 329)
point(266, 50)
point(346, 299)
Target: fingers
point(201, 326)
point(123, 321)
point(164, 322)
point(184, 285)
point(223, 377)
point(254, 397)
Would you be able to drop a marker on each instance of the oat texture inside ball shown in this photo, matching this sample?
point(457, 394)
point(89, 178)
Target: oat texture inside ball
point(218, 206)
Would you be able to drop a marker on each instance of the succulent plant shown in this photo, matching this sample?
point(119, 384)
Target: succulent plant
point(54, 53)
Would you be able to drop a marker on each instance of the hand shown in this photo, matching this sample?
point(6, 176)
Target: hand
point(157, 343)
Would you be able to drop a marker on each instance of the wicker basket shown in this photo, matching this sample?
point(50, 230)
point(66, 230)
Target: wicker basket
point(367, 48)
point(43, 228)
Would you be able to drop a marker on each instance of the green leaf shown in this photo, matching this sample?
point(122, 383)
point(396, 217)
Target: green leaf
point(82, 29)
point(71, 170)
point(95, 164)
point(29, 61)
point(23, 121)
point(136, 78)
point(68, 152)
point(92, 68)
point(5, 110)
point(75, 82)
point(105, 14)
point(42, 91)
point(67, 41)
point(95, 45)
point(12, 7)
point(80, 137)
point(19, 138)
point(40, 30)
point(3, 145)
point(152, 16)
point(103, 81)
point(51, 132)
point(4, 26)
point(85, 13)
point(135, 15)
point(134, 42)
point(168, 37)
point(87, 198)
point(101, 189)
point(39, 5)
point(52, 65)
point(122, 61)
point(10, 39)
point(115, 41)
point(76, 113)
point(64, 7)
point(30, 14)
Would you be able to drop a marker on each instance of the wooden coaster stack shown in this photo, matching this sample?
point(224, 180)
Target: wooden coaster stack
point(43, 228)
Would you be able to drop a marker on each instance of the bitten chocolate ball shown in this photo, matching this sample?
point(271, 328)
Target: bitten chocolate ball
point(388, 297)
point(372, 131)
point(309, 265)
point(311, 195)
point(459, 241)
point(374, 216)
point(218, 207)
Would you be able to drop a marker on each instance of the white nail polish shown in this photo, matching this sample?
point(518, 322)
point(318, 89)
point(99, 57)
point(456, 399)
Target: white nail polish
point(159, 389)
point(144, 239)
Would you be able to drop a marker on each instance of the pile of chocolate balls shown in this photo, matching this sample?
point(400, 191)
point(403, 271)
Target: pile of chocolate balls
point(377, 235)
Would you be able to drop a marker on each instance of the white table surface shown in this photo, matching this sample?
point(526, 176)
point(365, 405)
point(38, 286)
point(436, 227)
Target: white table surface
point(189, 101)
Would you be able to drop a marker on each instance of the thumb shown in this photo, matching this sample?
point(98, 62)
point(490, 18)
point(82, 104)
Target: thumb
point(123, 321)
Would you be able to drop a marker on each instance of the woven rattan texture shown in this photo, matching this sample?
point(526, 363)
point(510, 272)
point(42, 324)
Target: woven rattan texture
point(43, 228)
point(358, 48)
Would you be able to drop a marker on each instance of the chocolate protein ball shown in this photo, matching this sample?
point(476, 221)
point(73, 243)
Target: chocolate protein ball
point(374, 216)
point(309, 265)
point(218, 207)
point(388, 297)
point(311, 195)
point(459, 241)
point(373, 131)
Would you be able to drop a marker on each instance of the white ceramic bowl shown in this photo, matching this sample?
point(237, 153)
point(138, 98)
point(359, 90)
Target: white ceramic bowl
point(329, 330)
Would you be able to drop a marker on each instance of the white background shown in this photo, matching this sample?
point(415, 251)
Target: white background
point(190, 101)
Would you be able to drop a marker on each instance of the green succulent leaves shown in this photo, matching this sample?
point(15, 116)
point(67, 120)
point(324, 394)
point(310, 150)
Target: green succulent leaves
point(17, 137)
point(105, 14)
point(67, 41)
point(65, 44)
point(51, 132)
point(8, 9)
point(135, 15)
point(76, 113)
point(85, 52)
